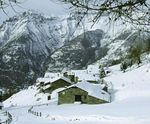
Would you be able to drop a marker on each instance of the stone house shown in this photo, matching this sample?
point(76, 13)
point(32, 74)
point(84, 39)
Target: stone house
point(84, 93)
point(56, 83)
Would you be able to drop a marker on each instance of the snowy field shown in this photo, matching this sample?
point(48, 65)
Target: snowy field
point(130, 104)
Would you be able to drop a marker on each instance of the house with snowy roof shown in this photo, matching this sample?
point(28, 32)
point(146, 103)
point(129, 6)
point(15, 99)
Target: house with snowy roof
point(93, 69)
point(52, 84)
point(84, 75)
point(84, 93)
point(47, 78)
point(73, 78)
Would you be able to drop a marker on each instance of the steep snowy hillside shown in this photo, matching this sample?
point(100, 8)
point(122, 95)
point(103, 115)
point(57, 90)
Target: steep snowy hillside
point(79, 52)
point(30, 96)
point(130, 102)
point(125, 86)
point(32, 43)
point(27, 42)
point(119, 45)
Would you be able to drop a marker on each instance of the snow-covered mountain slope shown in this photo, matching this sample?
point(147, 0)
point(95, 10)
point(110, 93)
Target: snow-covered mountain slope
point(119, 44)
point(27, 42)
point(133, 83)
point(79, 52)
point(130, 101)
point(32, 43)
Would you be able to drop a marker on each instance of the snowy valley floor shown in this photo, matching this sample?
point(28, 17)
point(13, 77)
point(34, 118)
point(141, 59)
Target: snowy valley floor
point(130, 104)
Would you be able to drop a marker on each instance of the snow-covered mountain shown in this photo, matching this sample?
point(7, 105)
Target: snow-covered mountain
point(118, 45)
point(25, 43)
point(31, 43)
point(79, 52)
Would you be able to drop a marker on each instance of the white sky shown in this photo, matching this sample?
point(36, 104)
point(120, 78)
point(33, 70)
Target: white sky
point(43, 6)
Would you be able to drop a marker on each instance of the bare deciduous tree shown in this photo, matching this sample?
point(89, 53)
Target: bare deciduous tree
point(10, 3)
point(133, 11)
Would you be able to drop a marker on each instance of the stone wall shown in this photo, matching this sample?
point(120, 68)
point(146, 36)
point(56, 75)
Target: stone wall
point(67, 96)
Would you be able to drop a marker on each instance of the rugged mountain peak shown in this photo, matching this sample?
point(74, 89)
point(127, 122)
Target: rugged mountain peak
point(31, 43)
point(28, 42)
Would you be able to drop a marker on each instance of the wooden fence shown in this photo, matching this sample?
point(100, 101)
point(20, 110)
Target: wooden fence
point(34, 113)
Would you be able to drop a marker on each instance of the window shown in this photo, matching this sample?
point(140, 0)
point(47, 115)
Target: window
point(77, 98)
point(49, 97)
point(42, 83)
point(103, 93)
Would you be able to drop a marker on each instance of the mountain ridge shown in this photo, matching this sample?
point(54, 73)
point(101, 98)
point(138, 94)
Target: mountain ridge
point(31, 44)
point(27, 40)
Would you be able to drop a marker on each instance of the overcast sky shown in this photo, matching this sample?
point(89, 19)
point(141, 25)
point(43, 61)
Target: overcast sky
point(45, 6)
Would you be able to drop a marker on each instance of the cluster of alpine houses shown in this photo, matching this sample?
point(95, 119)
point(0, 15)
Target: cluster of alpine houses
point(75, 86)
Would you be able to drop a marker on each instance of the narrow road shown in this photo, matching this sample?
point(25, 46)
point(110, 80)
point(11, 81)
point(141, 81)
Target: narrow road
point(67, 115)
point(21, 116)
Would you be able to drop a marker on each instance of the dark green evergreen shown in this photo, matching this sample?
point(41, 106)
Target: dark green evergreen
point(102, 73)
point(123, 66)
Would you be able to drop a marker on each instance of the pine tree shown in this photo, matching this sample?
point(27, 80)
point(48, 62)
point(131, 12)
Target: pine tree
point(102, 73)
point(123, 66)
point(135, 54)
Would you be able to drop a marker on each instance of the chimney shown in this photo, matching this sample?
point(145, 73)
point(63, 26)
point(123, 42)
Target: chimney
point(72, 77)
point(65, 74)
point(76, 79)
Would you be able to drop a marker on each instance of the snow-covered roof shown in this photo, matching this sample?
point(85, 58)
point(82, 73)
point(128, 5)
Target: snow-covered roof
point(93, 69)
point(43, 80)
point(94, 90)
point(51, 80)
point(77, 72)
point(84, 75)
point(88, 77)
point(51, 75)
point(48, 84)
point(54, 94)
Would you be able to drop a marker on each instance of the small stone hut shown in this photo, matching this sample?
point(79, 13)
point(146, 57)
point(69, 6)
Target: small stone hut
point(84, 93)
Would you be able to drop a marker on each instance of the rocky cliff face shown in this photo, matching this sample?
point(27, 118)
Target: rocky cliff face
point(30, 43)
point(79, 52)
point(25, 43)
